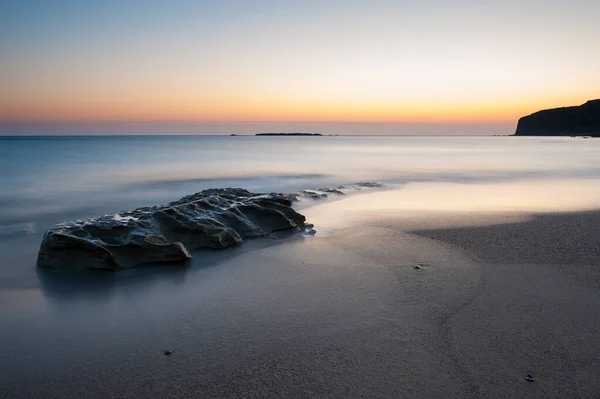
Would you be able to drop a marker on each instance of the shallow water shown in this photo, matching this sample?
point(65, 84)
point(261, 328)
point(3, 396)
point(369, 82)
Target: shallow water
point(46, 180)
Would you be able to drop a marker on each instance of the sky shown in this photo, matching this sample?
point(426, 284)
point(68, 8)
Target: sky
point(332, 66)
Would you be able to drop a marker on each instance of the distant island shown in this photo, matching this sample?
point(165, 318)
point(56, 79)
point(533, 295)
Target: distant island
point(288, 134)
point(582, 120)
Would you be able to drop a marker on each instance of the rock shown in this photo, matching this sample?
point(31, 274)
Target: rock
point(324, 192)
point(529, 378)
point(583, 120)
point(332, 191)
point(369, 185)
point(314, 194)
point(168, 352)
point(215, 218)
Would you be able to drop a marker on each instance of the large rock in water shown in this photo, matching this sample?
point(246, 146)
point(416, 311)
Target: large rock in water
point(583, 120)
point(215, 218)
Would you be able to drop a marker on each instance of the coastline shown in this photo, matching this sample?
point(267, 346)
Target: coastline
point(342, 314)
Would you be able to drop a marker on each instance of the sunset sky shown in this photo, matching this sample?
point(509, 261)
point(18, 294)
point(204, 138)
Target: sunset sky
point(337, 66)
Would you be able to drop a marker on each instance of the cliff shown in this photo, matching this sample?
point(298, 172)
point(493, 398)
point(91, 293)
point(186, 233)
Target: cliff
point(583, 120)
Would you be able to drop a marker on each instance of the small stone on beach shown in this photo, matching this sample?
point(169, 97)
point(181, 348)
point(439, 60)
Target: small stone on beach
point(529, 378)
point(168, 352)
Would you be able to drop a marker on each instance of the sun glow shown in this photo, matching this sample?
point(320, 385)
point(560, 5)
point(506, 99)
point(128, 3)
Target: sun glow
point(390, 63)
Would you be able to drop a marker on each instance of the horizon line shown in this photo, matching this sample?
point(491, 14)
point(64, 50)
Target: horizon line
point(251, 135)
point(250, 122)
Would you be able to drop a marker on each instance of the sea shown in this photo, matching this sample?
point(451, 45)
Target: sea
point(47, 180)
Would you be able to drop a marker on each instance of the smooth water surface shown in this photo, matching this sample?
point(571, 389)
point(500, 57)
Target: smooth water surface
point(46, 180)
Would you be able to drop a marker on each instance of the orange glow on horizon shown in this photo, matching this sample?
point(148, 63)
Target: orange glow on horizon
point(176, 107)
point(348, 62)
point(232, 111)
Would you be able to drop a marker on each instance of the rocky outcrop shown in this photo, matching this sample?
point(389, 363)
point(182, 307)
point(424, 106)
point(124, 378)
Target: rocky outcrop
point(583, 120)
point(288, 134)
point(215, 218)
point(324, 193)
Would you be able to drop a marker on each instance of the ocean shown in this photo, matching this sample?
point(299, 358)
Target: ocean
point(47, 180)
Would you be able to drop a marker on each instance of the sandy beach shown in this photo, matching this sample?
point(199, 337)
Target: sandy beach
point(536, 311)
point(299, 199)
point(343, 314)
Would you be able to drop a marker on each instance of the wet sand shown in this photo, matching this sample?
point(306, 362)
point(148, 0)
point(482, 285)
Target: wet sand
point(343, 314)
point(537, 311)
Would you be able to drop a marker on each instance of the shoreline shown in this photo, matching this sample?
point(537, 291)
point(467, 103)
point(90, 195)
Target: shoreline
point(341, 314)
point(549, 238)
point(536, 311)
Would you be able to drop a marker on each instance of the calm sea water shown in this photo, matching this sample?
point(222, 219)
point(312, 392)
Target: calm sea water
point(46, 180)
point(125, 319)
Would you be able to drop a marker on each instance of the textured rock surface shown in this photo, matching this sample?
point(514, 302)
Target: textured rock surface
point(567, 121)
point(215, 218)
point(324, 193)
